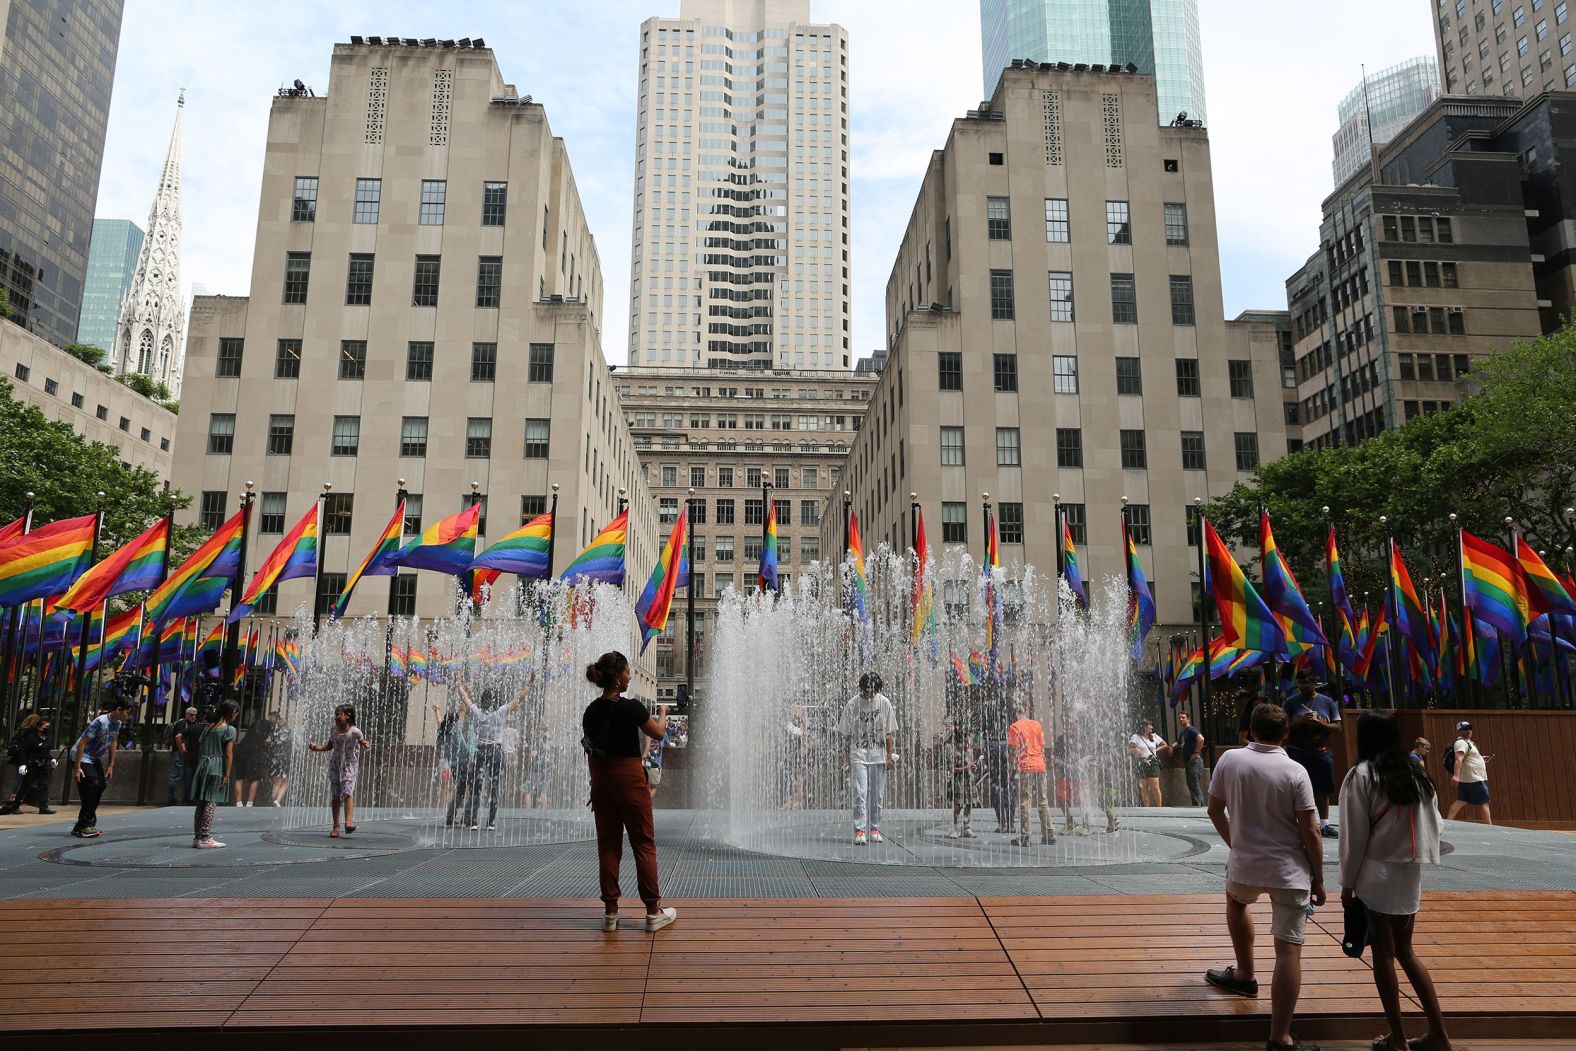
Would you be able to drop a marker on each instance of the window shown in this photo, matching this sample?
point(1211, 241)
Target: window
point(125, 425)
point(304, 208)
point(418, 361)
point(1396, 280)
point(809, 512)
point(1001, 295)
point(211, 510)
point(1247, 450)
point(1007, 447)
point(1009, 522)
point(352, 359)
point(952, 446)
point(532, 506)
point(347, 436)
point(1176, 224)
point(1118, 223)
point(484, 362)
point(1056, 228)
point(722, 550)
point(221, 433)
point(1193, 451)
point(1135, 454)
point(337, 508)
point(1448, 275)
point(77, 401)
point(1077, 520)
point(478, 438)
point(1064, 370)
point(1129, 376)
point(358, 280)
point(541, 366)
point(812, 478)
point(1138, 524)
point(329, 588)
point(402, 595)
point(102, 412)
point(368, 193)
point(1124, 300)
point(495, 203)
point(433, 194)
point(809, 548)
point(1443, 232)
point(1190, 515)
point(1181, 299)
point(725, 477)
point(1187, 378)
point(955, 523)
point(424, 290)
point(271, 513)
point(1005, 368)
point(1061, 288)
point(998, 218)
point(1408, 366)
point(413, 508)
point(1241, 376)
point(725, 515)
point(1069, 447)
point(298, 268)
point(287, 359)
point(949, 370)
point(784, 509)
point(413, 436)
point(281, 434)
point(667, 510)
point(780, 477)
point(754, 512)
point(537, 432)
point(489, 281)
point(229, 361)
point(670, 475)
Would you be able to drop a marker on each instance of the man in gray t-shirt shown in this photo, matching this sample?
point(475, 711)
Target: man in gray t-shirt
point(870, 725)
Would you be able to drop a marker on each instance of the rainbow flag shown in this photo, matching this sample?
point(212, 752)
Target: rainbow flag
point(1495, 590)
point(46, 561)
point(294, 557)
point(768, 572)
point(523, 552)
point(924, 601)
point(397, 663)
point(381, 561)
point(1374, 648)
point(961, 670)
point(1245, 621)
point(1070, 570)
point(172, 639)
point(482, 581)
point(603, 558)
point(995, 615)
point(197, 585)
point(1411, 618)
point(1284, 596)
point(136, 566)
point(13, 530)
point(1545, 592)
point(245, 658)
point(1347, 644)
point(124, 632)
point(1140, 603)
point(978, 667)
point(416, 663)
point(214, 641)
point(670, 573)
point(449, 546)
point(858, 588)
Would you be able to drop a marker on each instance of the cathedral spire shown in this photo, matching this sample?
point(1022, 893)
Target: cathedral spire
point(149, 335)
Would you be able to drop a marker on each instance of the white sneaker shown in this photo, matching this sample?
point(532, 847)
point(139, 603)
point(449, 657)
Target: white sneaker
point(610, 921)
point(955, 833)
point(859, 837)
point(208, 844)
point(474, 828)
point(492, 828)
point(875, 835)
point(662, 919)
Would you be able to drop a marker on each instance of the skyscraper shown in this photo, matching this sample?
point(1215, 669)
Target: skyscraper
point(112, 263)
point(741, 234)
point(1391, 98)
point(148, 334)
point(57, 64)
point(1518, 49)
point(1160, 37)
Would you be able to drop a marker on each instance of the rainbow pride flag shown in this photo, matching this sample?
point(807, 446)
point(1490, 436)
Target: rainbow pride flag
point(449, 546)
point(124, 632)
point(482, 581)
point(995, 614)
point(1545, 592)
point(923, 613)
point(46, 561)
point(1410, 617)
point(397, 663)
point(1140, 603)
point(1347, 644)
point(961, 670)
point(13, 530)
point(978, 667)
point(1070, 570)
point(416, 663)
point(1284, 596)
point(768, 571)
point(381, 561)
point(197, 585)
point(523, 552)
point(213, 642)
point(858, 587)
point(1245, 621)
point(294, 557)
point(603, 558)
point(670, 573)
point(134, 567)
point(1495, 590)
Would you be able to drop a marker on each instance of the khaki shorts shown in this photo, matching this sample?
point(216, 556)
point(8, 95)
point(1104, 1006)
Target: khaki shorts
point(653, 776)
point(1288, 908)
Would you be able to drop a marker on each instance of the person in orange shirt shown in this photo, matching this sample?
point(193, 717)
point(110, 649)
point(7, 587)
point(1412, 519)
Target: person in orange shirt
point(1026, 738)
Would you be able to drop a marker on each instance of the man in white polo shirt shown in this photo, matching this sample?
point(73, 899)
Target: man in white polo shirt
point(1261, 802)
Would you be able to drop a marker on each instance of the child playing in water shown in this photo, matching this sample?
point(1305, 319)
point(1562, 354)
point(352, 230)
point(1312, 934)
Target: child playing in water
point(343, 764)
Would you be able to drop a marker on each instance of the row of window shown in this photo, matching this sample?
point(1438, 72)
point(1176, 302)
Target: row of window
point(1415, 273)
point(52, 387)
point(1070, 450)
point(369, 199)
point(1009, 523)
point(1423, 229)
point(1058, 226)
point(1446, 367)
point(424, 283)
point(419, 357)
point(722, 549)
point(345, 438)
point(1422, 321)
point(1124, 297)
point(1064, 374)
point(754, 477)
point(339, 508)
point(727, 509)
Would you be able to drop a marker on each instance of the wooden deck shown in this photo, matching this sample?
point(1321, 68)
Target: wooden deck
point(808, 973)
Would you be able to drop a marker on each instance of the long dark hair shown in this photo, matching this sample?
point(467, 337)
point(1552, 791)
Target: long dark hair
point(1403, 782)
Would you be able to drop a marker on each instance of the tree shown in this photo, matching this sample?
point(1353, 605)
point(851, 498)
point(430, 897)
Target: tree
point(145, 386)
point(5, 304)
point(85, 352)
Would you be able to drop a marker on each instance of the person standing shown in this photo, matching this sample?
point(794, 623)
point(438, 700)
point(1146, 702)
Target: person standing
point(1261, 803)
point(870, 725)
point(280, 743)
point(34, 766)
point(1419, 753)
point(1470, 773)
point(653, 766)
point(1392, 831)
point(1027, 738)
point(94, 764)
point(459, 750)
point(1145, 747)
point(181, 764)
point(345, 742)
point(1313, 717)
point(962, 760)
point(488, 717)
point(1189, 747)
point(998, 760)
point(620, 801)
point(215, 766)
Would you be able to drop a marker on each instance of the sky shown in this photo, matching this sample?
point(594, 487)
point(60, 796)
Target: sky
point(1273, 78)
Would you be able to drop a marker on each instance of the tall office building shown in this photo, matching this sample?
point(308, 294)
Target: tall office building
point(1389, 99)
point(57, 65)
point(1159, 37)
point(741, 235)
point(150, 332)
point(1505, 47)
point(112, 263)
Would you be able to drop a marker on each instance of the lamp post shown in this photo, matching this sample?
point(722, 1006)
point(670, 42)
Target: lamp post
point(689, 602)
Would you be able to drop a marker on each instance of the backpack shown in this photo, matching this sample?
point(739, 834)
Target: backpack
point(1450, 758)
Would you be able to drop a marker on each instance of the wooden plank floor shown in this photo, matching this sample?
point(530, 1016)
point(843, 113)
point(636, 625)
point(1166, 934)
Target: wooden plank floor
point(1505, 959)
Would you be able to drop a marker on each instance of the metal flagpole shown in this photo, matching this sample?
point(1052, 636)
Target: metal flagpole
point(232, 635)
point(766, 498)
point(1335, 650)
point(1199, 522)
point(87, 621)
point(1392, 602)
point(689, 602)
point(12, 655)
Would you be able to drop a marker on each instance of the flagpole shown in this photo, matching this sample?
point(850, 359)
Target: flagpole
point(1274, 689)
point(1524, 682)
point(12, 696)
point(232, 635)
point(399, 499)
point(467, 580)
point(766, 498)
point(1199, 521)
point(1329, 585)
point(87, 621)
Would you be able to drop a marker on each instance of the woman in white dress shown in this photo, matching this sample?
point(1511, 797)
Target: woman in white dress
point(1389, 831)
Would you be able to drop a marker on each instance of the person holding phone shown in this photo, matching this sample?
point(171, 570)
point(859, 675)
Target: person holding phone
point(1470, 773)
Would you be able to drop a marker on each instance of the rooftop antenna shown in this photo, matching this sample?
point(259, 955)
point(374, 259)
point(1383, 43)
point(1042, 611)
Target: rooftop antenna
point(1368, 119)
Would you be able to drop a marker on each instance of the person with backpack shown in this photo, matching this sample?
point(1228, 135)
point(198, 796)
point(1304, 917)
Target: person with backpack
point(29, 750)
point(1468, 768)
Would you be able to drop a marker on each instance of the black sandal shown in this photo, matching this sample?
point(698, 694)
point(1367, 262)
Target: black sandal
point(349, 829)
point(1382, 1043)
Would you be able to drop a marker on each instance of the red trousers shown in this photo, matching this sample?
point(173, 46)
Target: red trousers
point(621, 803)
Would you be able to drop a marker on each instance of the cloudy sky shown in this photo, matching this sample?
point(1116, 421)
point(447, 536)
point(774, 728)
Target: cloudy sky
point(1274, 77)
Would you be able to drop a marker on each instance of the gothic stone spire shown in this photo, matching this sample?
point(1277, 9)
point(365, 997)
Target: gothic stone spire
point(148, 337)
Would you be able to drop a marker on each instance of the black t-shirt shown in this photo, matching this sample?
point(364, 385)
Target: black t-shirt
point(192, 730)
point(615, 725)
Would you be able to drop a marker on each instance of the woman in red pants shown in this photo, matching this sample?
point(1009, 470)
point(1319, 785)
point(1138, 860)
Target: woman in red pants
point(620, 799)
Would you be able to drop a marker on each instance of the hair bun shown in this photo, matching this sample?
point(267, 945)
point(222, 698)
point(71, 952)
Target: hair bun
point(593, 676)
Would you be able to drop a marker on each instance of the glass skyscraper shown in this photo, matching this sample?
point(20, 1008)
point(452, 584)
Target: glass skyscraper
point(112, 263)
point(1160, 37)
point(1393, 97)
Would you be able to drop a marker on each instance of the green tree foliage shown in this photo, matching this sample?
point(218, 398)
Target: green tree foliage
point(1510, 451)
point(5, 304)
point(85, 352)
point(145, 386)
